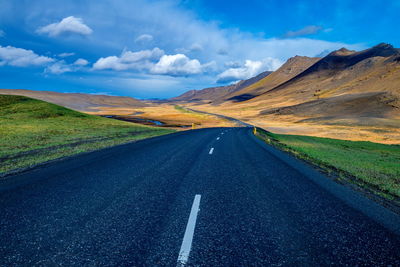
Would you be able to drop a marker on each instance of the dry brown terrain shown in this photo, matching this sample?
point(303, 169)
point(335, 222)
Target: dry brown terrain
point(126, 108)
point(168, 114)
point(346, 95)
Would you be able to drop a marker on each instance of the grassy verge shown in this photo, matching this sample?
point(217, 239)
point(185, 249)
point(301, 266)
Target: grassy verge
point(34, 131)
point(370, 165)
point(185, 110)
point(181, 109)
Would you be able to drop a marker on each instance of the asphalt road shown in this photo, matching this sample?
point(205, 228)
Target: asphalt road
point(130, 206)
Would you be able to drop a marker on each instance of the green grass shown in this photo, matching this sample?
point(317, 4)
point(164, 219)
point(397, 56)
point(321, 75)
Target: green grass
point(191, 112)
point(185, 110)
point(34, 131)
point(371, 165)
point(182, 109)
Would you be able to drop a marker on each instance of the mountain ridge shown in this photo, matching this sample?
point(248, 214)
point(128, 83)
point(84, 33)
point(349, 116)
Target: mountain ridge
point(352, 95)
point(217, 94)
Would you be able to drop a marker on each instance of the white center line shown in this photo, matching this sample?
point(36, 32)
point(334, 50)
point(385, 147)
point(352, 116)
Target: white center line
point(211, 151)
point(218, 138)
point(189, 232)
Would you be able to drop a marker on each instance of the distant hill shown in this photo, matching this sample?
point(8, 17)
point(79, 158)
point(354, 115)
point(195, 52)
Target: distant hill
point(77, 101)
point(218, 94)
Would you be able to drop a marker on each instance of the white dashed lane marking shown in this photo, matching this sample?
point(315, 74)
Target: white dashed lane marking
point(189, 232)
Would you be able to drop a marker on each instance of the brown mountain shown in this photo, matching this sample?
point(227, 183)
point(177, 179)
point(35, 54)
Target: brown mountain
point(290, 69)
point(218, 94)
point(346, 94)
point(80, 102)
point(342, 72)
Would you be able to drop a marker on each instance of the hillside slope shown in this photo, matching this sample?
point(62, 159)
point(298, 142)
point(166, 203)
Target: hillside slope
point(218, 94)
point(287, 71)
point(344, 71)
point(33, 131)
point(347, 94)
point(77, 101)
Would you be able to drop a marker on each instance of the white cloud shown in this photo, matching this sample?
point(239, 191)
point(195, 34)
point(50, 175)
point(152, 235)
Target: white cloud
point(66, 54)
point(308, 30)
point(112, 62)
point(144, 38)
point(59, 67)
point(69, 24)
point(153, 61)
point(119, 22)
point(20, 57)
point(81, 62)
point(248, 69)
point(140, 60)
point(177, 65)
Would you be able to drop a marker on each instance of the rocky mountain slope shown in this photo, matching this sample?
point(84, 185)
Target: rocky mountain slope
point(342, 77)
point(346, 94)
point(287, 71)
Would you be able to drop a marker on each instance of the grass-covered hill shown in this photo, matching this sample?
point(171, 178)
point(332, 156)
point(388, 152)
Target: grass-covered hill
point(33, 131)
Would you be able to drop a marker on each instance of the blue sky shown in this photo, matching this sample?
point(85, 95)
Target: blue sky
point(157, 49)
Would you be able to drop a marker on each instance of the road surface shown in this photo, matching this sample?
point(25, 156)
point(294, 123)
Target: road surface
point(239, 123)
point(208, 197)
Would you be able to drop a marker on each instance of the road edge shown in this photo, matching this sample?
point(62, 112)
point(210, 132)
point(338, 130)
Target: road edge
point(355, 199)
point(18, 177)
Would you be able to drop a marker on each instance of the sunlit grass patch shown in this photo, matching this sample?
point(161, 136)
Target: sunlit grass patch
point(34, 131)
point(374, 165)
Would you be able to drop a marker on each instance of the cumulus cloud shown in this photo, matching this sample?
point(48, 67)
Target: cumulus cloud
point(144, 38)
point(308, 30)
point(177, 65)
point(20, 57)
point(67, 25)
point(66, 54)
point(249, 69)
point(81, 62)
point(153, 61)
point(130, 60)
